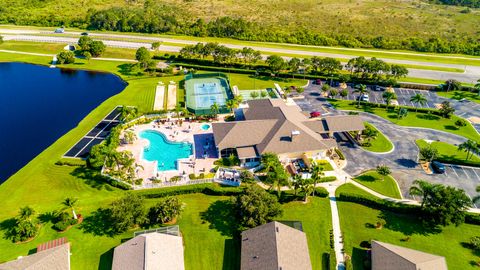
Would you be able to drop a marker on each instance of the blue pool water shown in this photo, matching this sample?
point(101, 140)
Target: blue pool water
point(205, 127)
point(164, 151)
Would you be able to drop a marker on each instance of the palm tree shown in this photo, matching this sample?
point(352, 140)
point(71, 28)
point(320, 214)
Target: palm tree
point(476, 199)
point(361, 89)
point(477, 86)
point(383, 170)
point(317, 174)
point(231, 104)
point(470, 147)
point(369, 134)
point(453, 84)
point(177, 111)
point(297, 183)
point(418, 99)
point(214, 109)
point(26, 213)
point(388, 96)
point(422, 188)
point(70, 203)
point(307, 188)
point(129, 136)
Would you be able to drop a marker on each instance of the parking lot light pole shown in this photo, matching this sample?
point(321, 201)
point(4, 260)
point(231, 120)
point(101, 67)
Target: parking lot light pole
point(346, 179)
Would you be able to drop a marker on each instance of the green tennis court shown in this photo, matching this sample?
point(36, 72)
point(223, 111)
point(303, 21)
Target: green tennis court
point(204, 90)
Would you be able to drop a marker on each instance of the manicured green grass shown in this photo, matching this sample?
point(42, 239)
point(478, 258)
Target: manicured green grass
point(380, 144)
point(250, 82)
point(376, 182)
point(358, 225)
point(450, 154)
point(325, 165)
point(459, 95)
point(316, 221)
point(414, 119)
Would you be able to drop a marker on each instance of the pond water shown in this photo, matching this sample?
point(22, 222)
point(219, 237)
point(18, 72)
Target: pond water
point(39, 104)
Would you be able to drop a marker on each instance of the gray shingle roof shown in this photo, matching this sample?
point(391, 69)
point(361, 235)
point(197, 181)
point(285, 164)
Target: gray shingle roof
point(268, 125)
point(57, 258)
point(391, 257)
point(151, 251)
point(274, 246)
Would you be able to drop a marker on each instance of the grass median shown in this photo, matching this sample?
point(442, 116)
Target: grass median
point(376, 182)
point(413, 119)
point(379, 144)
point(450, 154)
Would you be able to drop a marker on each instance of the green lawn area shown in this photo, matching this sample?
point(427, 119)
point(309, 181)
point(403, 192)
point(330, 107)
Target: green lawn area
point(316, 221)
point(324, 164)
point(414, 119)
point(449, 153)
point(380, 144)
point(373, 181)
point(357, 223)
point(458, 95)
point(250, 82)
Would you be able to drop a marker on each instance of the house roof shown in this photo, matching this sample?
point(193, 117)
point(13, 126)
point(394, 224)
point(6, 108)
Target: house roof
point(268, 125)
point(392, 257)
point(56, 258)
point(341, 123)
point(274, 246)
point(150, 251)
point(247, 152)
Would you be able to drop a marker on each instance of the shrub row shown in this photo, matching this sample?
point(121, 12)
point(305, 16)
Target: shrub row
point(209, 189)
point(409, 108)
point(340, 154)
point(328, 179)
point(70, 162)
point(321, 192)
point(395, 207)
point(63, 224)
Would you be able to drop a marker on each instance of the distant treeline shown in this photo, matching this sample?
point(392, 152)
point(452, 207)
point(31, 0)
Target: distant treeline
point(465, 3)
point(168, 19)
point(155, 21)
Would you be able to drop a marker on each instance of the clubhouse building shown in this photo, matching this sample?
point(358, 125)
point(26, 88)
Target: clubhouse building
point(272, 126)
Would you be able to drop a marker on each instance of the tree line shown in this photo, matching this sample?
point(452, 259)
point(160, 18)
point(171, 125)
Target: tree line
point(162, 20)
point(359, 67)
point(466, 3)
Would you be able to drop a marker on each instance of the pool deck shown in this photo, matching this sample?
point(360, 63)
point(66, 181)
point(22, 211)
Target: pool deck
point(188, 132)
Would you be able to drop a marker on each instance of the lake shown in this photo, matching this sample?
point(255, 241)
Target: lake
point(38, 105)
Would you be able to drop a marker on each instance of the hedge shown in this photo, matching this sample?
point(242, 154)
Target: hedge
point(328, 179)
point(400, 208)
point(340, 154)
point(208, 189)
point(409, 108)
point(321, 192)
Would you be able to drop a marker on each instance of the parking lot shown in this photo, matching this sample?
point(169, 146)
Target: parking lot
point(403, 97)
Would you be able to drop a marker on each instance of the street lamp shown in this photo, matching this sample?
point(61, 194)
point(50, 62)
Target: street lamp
point(346, 179)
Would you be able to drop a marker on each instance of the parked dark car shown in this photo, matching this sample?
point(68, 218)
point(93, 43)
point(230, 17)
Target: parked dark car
point(315, 114)
point(84, 34)
point(318, 82)
point(438, 167)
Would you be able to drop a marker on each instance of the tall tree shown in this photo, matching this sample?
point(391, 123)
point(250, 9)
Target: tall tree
point(143, 56)
point(388, 96)
point(418, 99)
point(477, 86)
point(294, 65)
point(429, 153)
point(70, 203)
point(214, 109)
point(446, 109)
point(423, 189)
point(254, 207)
point(384, 171)
point(317, 174)
point(361, 89)
point(165, 211)
point(447, 205)
point(275, 63)
point(126, 212)
point(470, 147)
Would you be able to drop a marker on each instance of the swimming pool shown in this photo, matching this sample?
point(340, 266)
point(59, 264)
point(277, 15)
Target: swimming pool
point(205, 127)
point(164, 151)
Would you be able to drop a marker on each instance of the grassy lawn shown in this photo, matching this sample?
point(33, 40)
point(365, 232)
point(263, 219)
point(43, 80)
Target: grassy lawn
point(324, 164)
point(54, 48)
point(375, 182)
point(380, 144)
point(414, 119)
point(316, 221)
point(449, 153)
point(250, 82)
point(458, 95)
point(357, 223)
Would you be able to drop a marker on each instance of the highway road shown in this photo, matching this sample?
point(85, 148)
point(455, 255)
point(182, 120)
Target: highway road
point(471, 73)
